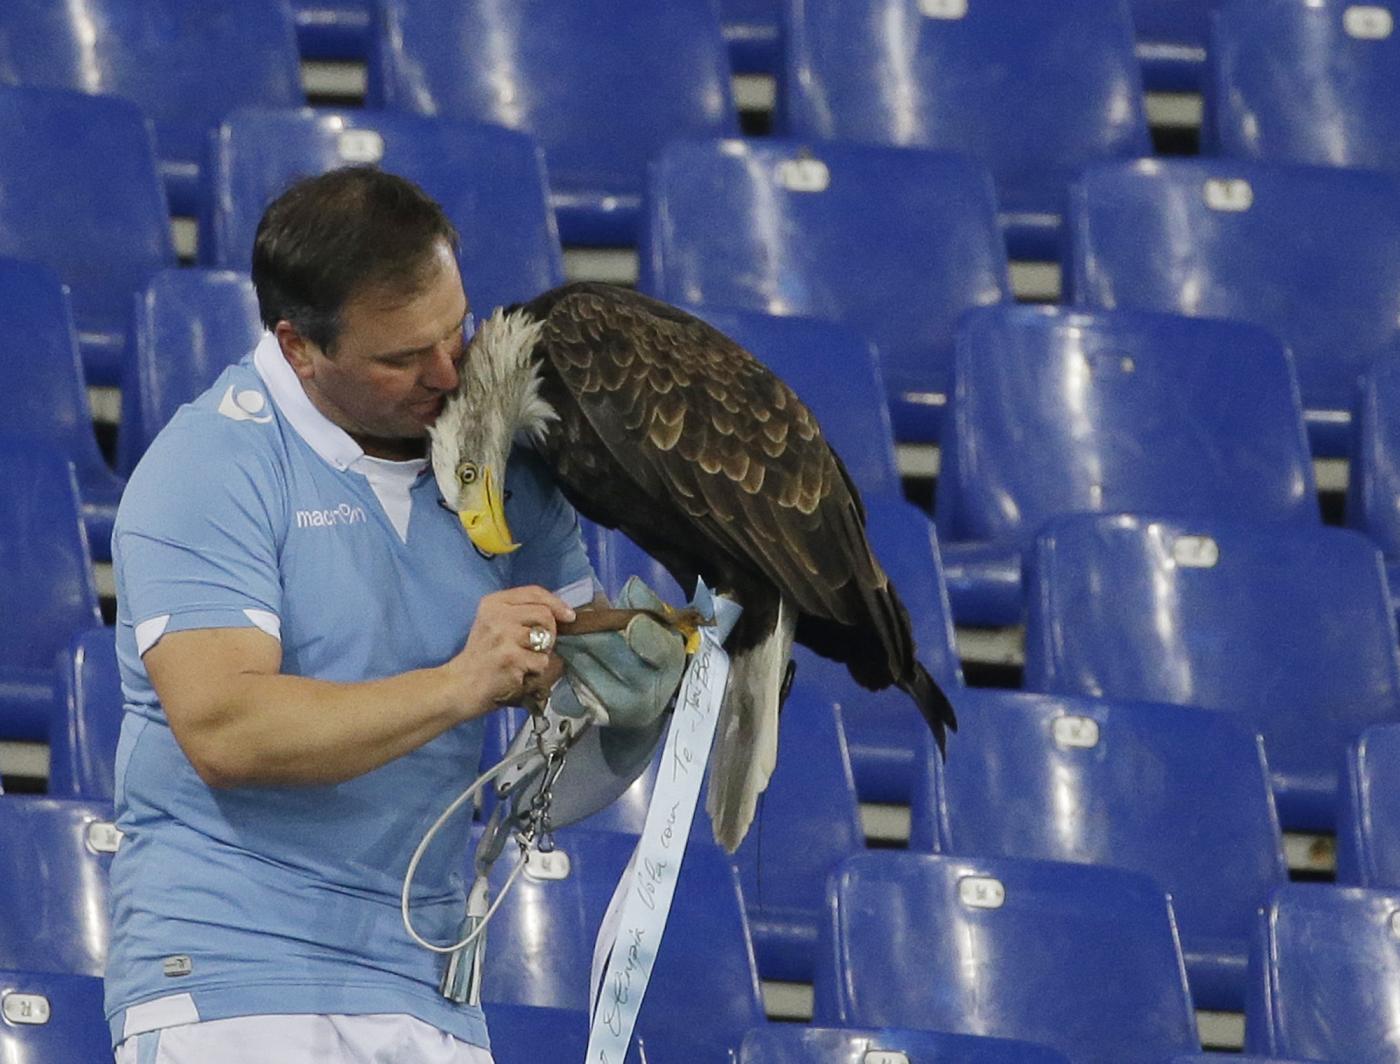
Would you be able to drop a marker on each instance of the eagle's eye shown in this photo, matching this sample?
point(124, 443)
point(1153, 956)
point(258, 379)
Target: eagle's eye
point(466, 474)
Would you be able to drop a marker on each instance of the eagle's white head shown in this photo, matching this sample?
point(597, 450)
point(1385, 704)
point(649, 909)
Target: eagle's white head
point(497, 401)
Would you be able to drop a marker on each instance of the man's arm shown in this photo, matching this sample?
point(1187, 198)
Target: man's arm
point(241, 722)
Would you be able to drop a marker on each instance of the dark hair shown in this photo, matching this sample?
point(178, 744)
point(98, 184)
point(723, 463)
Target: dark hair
point(330, 237)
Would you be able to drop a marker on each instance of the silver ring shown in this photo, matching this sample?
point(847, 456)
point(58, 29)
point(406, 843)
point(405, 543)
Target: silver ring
point(541, 639)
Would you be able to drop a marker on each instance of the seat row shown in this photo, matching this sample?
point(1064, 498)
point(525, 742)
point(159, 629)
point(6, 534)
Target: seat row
point(1287, 633)
point(1097, 401)
point(896, 242)
point(1081, 959)
point(1033, 91)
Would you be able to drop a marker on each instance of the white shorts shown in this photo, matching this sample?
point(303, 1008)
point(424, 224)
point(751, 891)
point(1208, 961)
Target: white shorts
point(383, 1038)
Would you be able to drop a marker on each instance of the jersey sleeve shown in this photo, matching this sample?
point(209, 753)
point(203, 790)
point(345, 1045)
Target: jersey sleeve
point(552, 554)
point(196, 542)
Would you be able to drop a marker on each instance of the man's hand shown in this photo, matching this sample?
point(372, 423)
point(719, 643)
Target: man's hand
point(497, 667)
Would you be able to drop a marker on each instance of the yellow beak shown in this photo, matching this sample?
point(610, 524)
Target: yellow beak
point(484, 516)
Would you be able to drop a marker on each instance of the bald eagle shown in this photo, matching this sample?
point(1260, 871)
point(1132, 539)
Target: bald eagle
point(656, 424)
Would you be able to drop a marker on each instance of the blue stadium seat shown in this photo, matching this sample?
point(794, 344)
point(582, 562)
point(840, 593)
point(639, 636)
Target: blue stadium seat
point(753, 29)
point(1324, 964)
point(1278, 246)
point(789, 1044)
point(53, 884)
point(894, 242)
point(46, 582)
point(601, 84)
point(88, 718)
point(187, 327)
point(50, 1018)
point(1306, 81)
point(1171, 42)
point(1079, 958)
point(332, 29)
point(1035, 92)
point(185, 65)
point(1374, 481)
point(704, 991)
point(807, 822)
point(1368, 824)
point(1232, 1058)
point(1179, 794)
point(1059, 411)
point(1290, 628)
point(87, 203)
point(45, 397)
point(520, 1033)
point(836, 372)
point(490, 182)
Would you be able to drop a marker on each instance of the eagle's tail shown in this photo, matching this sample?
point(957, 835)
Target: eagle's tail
point(746, 743)
point(933, 704)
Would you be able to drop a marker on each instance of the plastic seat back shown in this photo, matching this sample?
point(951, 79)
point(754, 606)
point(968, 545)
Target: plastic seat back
point(1368, 828)
point(834, 371)
point(490, 181)
point(704, 983)
point(1171, 42)
point(601, 84)
point(332, 29)
point(788, 1044)
point(185, 65)
point(53, 883)
point(1181, 795)
point(807, 822)
point(1323, 967)
point(1291, 628)
point(47, 588)
point(894, 242)
point(1306, 81)
point(79, 191)
point(51, 1018)
point(1374, 481)
point(45, 398)
point(1277, 246)
point(1062, 411)
point(1084, 960)
point(1035, 92)
point(519, 1033)
point(1234, 1058)
point(83, 741)
point(188, 326)
point(753, 29)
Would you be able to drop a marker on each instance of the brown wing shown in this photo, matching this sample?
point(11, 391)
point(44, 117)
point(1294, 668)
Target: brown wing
point(702, 425)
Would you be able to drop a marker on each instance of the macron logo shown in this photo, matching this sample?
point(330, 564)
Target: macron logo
point(344, 514)
point(244, 406)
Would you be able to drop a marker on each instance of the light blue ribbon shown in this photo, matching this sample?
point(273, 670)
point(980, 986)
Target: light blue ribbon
point(631, 936)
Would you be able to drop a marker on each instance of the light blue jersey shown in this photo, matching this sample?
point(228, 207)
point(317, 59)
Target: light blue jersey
point(252, 509)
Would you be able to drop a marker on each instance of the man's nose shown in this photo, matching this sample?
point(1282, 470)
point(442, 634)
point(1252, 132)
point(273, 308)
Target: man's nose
point(440, 374)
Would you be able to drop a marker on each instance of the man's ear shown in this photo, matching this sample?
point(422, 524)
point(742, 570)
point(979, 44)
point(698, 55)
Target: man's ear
point(296, 349)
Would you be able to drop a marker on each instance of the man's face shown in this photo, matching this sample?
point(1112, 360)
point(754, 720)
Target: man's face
point(394, 364)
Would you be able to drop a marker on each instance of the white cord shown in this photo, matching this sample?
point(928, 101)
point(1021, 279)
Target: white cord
point(427, 839)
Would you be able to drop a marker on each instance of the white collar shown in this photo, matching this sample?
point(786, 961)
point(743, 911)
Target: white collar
point(321, 434)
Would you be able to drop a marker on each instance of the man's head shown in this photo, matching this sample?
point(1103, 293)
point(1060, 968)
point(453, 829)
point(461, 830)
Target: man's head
point(356, 275)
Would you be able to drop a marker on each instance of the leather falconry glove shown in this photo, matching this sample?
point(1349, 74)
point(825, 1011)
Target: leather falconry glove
point(622, 679)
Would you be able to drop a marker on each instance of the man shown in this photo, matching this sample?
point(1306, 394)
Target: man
point(308, 645)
